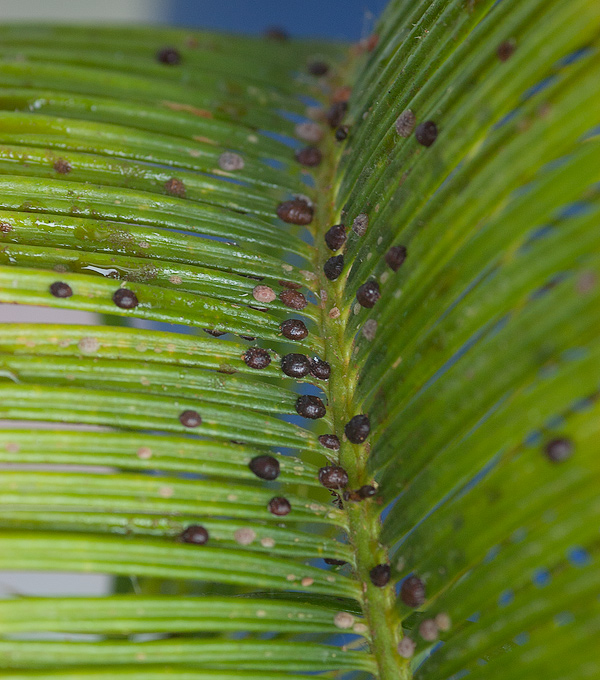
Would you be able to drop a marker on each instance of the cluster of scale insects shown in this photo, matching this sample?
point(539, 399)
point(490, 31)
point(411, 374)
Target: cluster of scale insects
point(300, 211)
point(296, 211)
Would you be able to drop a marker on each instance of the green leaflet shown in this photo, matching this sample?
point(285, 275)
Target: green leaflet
point(481, 351)
point(166, 559)
point(128, 614)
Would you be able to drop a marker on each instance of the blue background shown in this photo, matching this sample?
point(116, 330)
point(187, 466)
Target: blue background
point(342, 19)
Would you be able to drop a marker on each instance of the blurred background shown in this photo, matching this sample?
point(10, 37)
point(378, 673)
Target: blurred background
point(342, 19)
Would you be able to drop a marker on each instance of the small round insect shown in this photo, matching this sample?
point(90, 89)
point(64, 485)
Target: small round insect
point(506, 49)
point(330, 441)
point(62, 166)
point(336, 113)
point(366, 491)
point(412, 591)
point(279, 506)
point(334, 563)
point(257, 357)
point(230, 161)
point(341, 133)
point(333, 477)
point(309, 156)
point(125, 298)
point(293, 299)
point(360, 224)
point(309, 132)
point(295, 211)
point(334, 267)
point(214, 333)
point(294, 329)
point(369, 329)
point(262, 293)
point(368, 294)
point(442, 621)
point(335, 237)
point(428, 630)
point(175, 187)
point(380, 575)
point(405, 123)
point(318, 68)
point(395, 257)
point(295, 365)
point(195, 534)
point(169, 56)
point(190, 418)
point(406, 647)
point(559, 449)
point(426, 133)
point(265, 467)
point(309, 406)
point(60, 289)
point(320, 369)
point(357, 429)
point(343, 620)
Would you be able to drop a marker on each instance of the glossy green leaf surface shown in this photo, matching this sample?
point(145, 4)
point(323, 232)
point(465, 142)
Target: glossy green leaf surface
point(470, 149)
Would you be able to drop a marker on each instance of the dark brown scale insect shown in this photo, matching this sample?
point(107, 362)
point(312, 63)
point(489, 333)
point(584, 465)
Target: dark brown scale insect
point(333, 477)
point(195, 534)
point(358, 428)
point(215, 334)
point(250, 338)
point(169, 56)
point(335, 114)
point(412, 592)
point(293, 299)
point(175, 187)
point(395, 257)
point(257, 357)
point(426, 133)
point(506, 49)
point(341, 133)
point(380, 575)
point(295, 211)
point(320, 369)
point(279, 506)
point(368, 294)
point(334, 563)
point(265, 467)
point(276, 33)
point(367, 491)
point(309, 406)
point(330, 441)
point(60, 289)
point(335, 237)
point(190, 418)
point(62, 166)
point(309, 156)
point(318, 68)
point(559, 449)
point(333, 267)
point(294, 329)
point(295, 365)
point(125, 298)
